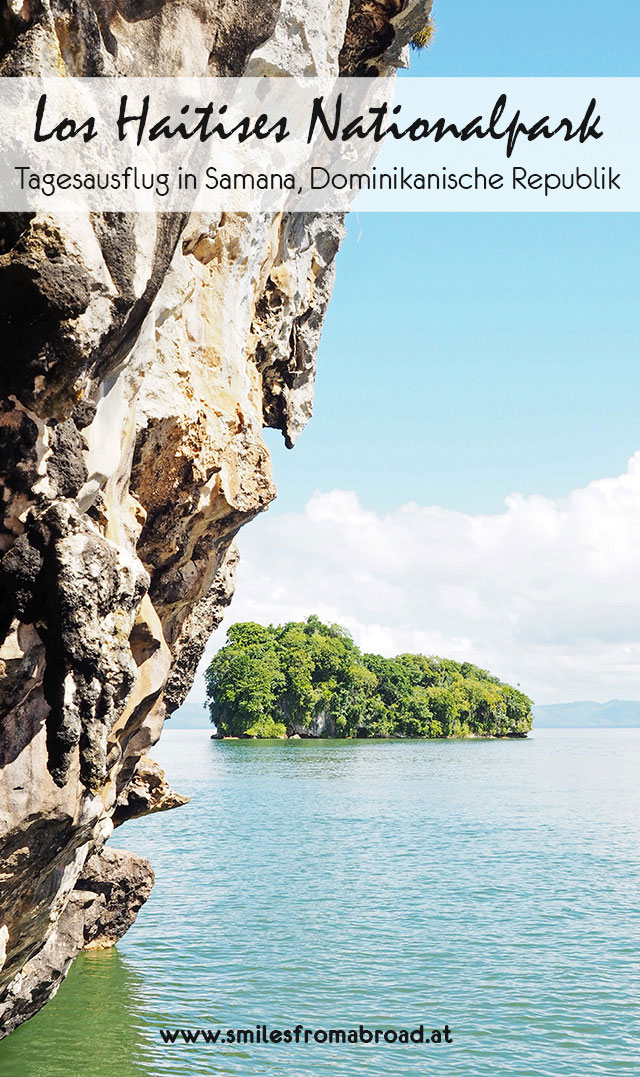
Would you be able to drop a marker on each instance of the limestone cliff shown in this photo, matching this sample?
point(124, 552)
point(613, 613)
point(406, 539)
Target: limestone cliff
point(141, 358)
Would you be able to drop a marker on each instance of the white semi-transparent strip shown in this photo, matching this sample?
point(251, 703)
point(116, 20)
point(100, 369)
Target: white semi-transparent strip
point(268, 145)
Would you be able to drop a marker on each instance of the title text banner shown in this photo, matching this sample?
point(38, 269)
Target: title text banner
point(305, 145)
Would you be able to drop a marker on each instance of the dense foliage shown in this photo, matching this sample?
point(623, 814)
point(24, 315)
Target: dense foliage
point(310, 678)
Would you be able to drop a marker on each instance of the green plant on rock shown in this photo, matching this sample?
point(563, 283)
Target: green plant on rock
point(423, 38)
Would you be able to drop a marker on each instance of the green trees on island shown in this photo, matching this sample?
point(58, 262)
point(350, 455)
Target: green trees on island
point(309, 678)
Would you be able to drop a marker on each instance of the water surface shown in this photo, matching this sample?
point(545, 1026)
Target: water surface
point(489, 885)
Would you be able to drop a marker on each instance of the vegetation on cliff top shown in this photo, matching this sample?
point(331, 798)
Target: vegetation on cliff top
point(310, 678)
point(424, 37)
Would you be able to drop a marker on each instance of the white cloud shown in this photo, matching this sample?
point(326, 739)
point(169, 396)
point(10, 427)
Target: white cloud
point(545, 594)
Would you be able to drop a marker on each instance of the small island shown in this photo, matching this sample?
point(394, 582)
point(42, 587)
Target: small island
point(309, 679)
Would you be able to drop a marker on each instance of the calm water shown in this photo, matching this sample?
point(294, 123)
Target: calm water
point(490, 885)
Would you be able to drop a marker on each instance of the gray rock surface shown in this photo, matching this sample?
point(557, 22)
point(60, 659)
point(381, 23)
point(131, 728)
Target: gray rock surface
point(142, 357)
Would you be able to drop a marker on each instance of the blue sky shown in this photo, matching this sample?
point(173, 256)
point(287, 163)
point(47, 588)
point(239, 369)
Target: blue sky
point(466, 357)
point(469, 356)
point(550, 37)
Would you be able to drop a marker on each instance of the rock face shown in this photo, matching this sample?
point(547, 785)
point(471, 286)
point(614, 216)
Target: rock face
point(115, 885)
point(141, 359)
point(147, 792)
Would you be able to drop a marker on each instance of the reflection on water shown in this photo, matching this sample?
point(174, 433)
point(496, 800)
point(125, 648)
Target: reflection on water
point(489, 885)
point(92, 1028)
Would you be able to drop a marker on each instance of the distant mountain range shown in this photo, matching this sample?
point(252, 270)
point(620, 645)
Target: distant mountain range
point(616, 714)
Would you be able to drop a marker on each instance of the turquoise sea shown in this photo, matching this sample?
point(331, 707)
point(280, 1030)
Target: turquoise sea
point(488, 885)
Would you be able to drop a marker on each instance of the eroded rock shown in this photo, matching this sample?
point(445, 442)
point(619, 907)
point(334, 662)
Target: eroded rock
point(142, 357)
point(120, 883)
point(148, 791)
